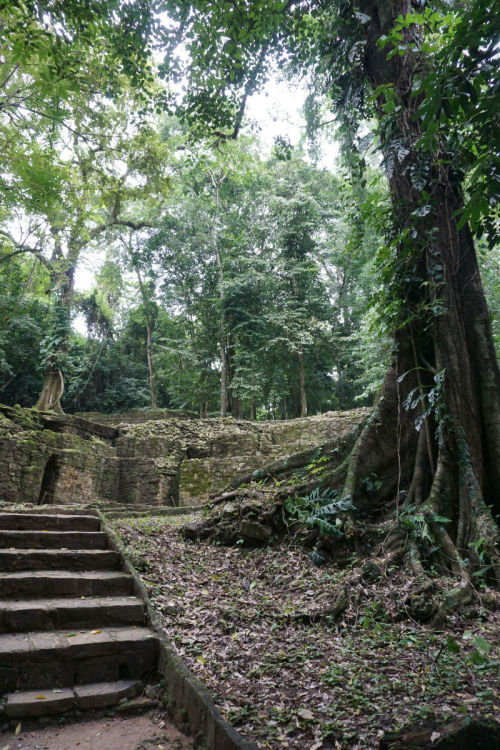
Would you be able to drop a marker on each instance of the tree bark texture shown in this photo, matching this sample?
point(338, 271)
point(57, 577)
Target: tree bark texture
point(302, 380)
point(149, 346)
point(53, 384)
point(52, 392)
point(217, 181)
point(445, 360)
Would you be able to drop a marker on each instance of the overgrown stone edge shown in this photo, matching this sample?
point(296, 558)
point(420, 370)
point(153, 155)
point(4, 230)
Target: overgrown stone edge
point(185, 697)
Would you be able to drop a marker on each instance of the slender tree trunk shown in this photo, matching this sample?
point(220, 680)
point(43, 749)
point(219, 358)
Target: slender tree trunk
point(302, 377)
point(149, 352)
point(149, 347)
point(217, 181)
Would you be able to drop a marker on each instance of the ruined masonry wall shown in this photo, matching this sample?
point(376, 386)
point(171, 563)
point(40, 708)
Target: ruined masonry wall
point(156, 459)
point(82, 465)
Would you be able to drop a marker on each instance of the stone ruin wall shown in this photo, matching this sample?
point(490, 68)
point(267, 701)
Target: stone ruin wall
point(149, 458)
point(55, 457)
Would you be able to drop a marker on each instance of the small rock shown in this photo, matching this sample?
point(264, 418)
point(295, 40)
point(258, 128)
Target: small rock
point(150, 692)
point(136, 705)
point(489, 599)
point(370, 572)
point(255, 531)
point(340, 604)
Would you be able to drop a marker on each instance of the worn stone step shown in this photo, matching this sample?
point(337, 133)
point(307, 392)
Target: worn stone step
point(131, 512)
point(53, 539)
point(56, 559)
point(85, 509)
point(55, 614)
point(64, 659)
point(38, 521)
point(43, 583)
point(42, 702)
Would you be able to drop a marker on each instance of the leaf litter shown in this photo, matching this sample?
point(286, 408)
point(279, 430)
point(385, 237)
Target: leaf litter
point(255, 625)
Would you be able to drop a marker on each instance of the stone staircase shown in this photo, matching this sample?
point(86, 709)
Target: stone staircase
point(72, 633)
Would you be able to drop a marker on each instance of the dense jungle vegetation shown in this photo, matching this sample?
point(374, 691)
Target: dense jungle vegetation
point(233, 281)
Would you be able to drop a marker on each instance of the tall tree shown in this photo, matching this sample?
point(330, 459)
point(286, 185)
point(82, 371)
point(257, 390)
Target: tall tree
point(62, 65)
point(74, 185)
point(434, 443)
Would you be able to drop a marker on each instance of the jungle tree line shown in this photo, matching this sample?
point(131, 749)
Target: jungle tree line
point(89, 162)
point(284, 287)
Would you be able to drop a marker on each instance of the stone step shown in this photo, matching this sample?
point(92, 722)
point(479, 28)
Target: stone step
point(45, 702)
point(56, 559)
point(86, 509)
point(55, 614)
point(64, 659)
point(45, 521)
point(131, 512)
point(53, 539)
point(43, 583)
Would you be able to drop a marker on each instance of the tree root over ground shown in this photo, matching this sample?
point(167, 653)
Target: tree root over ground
point(404, 515)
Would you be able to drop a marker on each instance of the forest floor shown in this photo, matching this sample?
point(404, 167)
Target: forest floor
point(253, 625)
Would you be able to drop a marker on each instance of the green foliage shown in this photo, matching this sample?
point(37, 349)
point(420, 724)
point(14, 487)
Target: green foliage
point(305, 256)
point(53, 344)
point(418, 524)
point(23, 319)
point(457, 89)
point(426, 402)
point(321, 509)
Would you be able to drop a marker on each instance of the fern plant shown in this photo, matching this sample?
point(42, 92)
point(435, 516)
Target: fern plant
point(326, 508)
point(321, 508)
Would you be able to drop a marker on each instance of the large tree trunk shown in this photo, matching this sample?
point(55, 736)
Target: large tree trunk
point(224, 391)
point(56, 342)
point(52, 391)
point(149, 344)
point(434, 440)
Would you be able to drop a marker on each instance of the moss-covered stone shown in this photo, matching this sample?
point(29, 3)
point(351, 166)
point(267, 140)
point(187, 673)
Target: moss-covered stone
point(169, 459)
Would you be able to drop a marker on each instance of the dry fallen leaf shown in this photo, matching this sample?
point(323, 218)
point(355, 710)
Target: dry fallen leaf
point(41, 697)
point(304, 713)
point(18, 729)
point(95, 632)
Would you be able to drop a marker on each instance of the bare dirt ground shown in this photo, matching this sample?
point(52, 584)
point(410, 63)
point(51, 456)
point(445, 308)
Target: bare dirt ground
point(146, 732)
